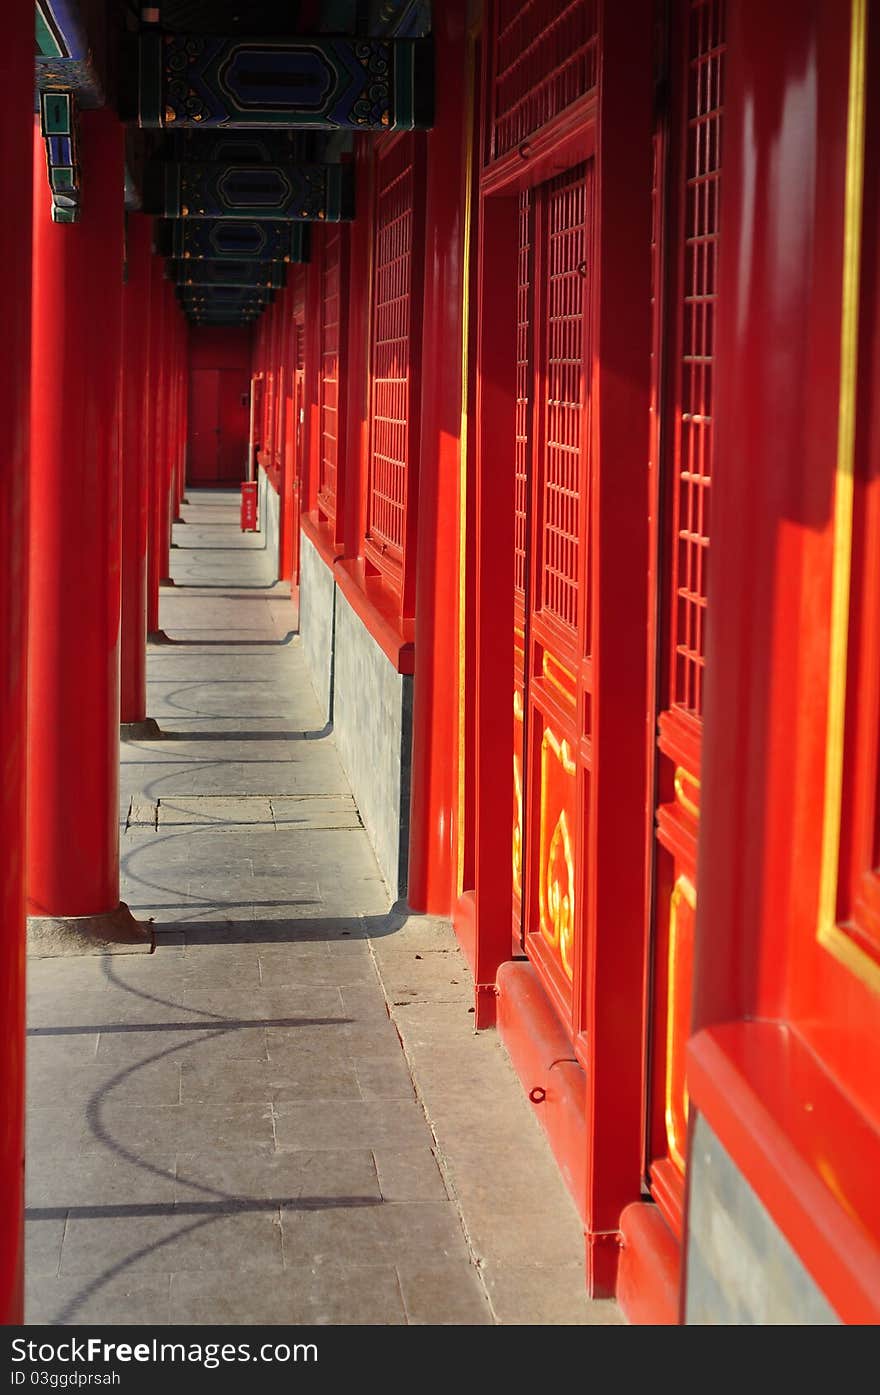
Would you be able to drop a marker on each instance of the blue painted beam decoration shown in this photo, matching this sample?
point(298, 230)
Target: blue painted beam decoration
point(208, 307)
point(278, 193)
point(64, 57)
point(268, 275)
point(242, 147)
point(322, 83)
point(231, 297)
point(233, 239)
point(403, 18)
point(208, 312)
point(58, 128)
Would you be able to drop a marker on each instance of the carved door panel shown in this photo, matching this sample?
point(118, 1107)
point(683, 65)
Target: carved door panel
point(691, 231)
point(552, 702)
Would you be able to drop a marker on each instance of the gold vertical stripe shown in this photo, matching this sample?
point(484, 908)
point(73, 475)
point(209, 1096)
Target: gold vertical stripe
point(684, 890)
point(837, 941)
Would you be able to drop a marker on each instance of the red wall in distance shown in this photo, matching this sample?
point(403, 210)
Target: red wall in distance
point(225, 348)
point(219, 417)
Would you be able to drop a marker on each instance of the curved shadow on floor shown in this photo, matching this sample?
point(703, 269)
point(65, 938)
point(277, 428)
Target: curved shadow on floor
point(219, 1203)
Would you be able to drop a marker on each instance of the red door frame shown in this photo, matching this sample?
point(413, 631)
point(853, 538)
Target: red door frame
point(685, 265)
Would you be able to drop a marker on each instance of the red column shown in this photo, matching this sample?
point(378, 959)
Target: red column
point(494, 420)
point(177, 487)
point(434, 802)
point(182, 405)
point(158, 377)
point(136, 395)
point(179, 414)
point(165, 457)
point(73, 731)
point(16, 142)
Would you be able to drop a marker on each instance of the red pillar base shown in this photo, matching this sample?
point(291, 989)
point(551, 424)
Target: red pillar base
point(602, 1260)
point(485, 1006)
point(464, 923)
point(116, 932)
point(147, 730)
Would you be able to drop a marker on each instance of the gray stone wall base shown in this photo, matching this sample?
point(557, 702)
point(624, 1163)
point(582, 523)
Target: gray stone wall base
point(269, 521)
point(741, 1269)
point(115, 932)
point(372, 722)
point(317, 618)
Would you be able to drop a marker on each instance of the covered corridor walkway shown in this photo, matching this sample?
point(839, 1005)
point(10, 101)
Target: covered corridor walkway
point(499, 789)
point(271, 1118)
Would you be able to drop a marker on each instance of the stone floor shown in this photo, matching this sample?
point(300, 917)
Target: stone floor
point(283, 1115)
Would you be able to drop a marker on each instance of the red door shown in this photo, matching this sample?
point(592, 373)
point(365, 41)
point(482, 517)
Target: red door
point(552, 701)
point(234, 424)
point(219, 425)
point(204, 439)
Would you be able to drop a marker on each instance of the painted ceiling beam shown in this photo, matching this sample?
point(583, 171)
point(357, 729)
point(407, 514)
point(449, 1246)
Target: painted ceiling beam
point(318, 83)
point(65, 59)
point(278, 193)
point(403, 18)
point(269, 274)
point(232, 239)
point(242, 147)
point(228, 297)
point(58, 128)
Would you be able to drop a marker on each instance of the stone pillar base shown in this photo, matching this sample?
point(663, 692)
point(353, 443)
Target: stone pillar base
point(147, 730)
point(114, 932)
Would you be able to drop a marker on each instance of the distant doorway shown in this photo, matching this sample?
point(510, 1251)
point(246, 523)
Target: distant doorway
point(219, 418)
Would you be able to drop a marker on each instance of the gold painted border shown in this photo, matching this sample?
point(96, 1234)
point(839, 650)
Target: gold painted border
point(830, 934)
point(684, 890)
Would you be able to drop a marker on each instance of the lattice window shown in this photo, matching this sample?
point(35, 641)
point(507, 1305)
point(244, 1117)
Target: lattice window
point(545, 57)
point(331, 314)
point(391, 357)
point(701, 213)
point(300, 346)
point(523, 388)
point(564, 280)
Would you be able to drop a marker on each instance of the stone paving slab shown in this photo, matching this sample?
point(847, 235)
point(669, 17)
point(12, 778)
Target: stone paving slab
point(283, 1115)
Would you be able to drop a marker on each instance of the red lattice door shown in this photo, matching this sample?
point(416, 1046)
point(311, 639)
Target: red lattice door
point(691, 229)
point(553, 640)
point(294, 419)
